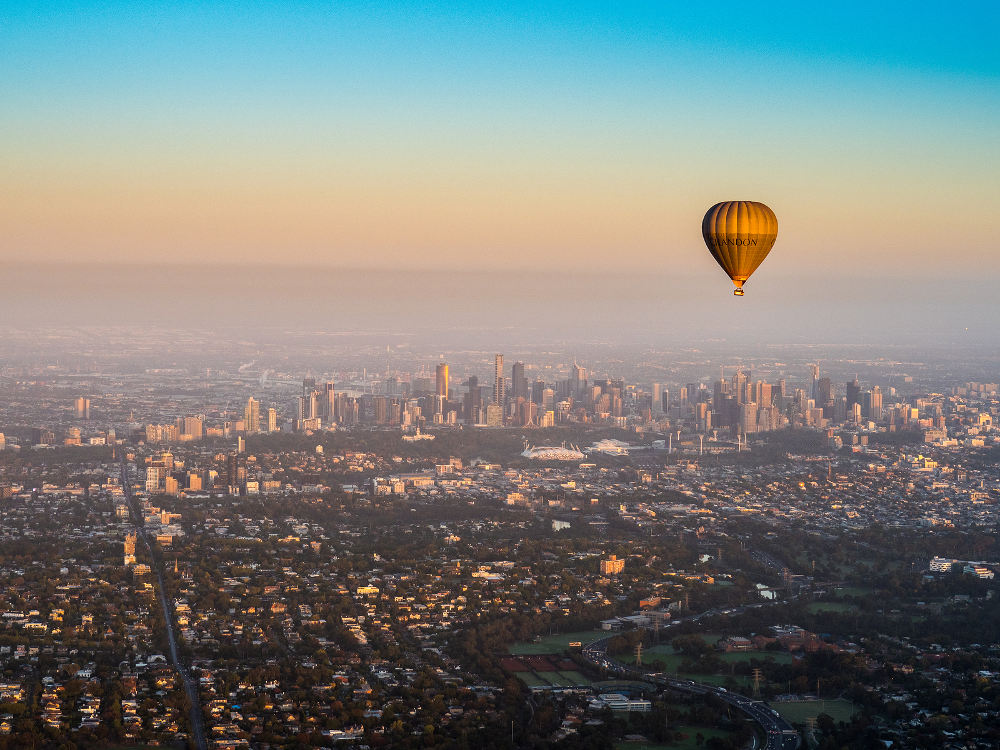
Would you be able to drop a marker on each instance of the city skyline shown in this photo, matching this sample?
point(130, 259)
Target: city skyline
point(368, 375)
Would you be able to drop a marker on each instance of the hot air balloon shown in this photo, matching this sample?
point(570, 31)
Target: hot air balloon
point(739, 234)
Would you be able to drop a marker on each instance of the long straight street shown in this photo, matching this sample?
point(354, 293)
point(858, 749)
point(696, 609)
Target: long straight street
point(197, 723)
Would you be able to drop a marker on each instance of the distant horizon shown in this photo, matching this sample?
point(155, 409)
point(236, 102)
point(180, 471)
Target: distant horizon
point(626, 305)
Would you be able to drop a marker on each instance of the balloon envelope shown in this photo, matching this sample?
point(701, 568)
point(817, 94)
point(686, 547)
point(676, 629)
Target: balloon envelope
point(739, 234)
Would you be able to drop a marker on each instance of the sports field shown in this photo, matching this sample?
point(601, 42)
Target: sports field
point(555, 644)
point(672, 659)
point(690, 742)
point(838, 607)
point(798, 711)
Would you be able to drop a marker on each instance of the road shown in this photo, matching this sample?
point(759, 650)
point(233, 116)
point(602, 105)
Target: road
point(197, 721)
point(780, 734)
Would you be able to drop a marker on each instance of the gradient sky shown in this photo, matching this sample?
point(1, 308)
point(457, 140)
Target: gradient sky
point(519, 135)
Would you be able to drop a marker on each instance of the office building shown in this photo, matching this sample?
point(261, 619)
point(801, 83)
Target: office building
point(83, 408)
point(518, 382)
point(499, 385)
point(441, 380)
point(251, 416)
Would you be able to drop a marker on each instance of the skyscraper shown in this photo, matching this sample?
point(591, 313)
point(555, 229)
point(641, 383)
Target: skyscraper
point(329, 406)
point(518, 381)
point(853, 392)
point(83, 408)
point(308, 384)
point(272, 419)
point(739, 387)
point(824, 392)
point(441, 374)
point(251, 416)
point(499, 386)
point(473, 401)
point(577, 380)
point(872, 404)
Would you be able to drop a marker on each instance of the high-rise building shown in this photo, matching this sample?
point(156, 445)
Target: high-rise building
point(494, 415)
point(441, 377)
point(308, 385)
point(499, 385)
point(657, 397)
point(853, 392)
point(871, 404)
point(272, 419)
point(82, 408)
point(779, 388)
point(380, 406)
point(824, 392)
point(329, 406)
point(473, 402)
point(739, 387)
point(154, 478)
point(548, 398)
point(762, 393)
point(748, 418)
point(251, 416)
point(537, 389)
point(577, 380)
point(194, 427)
point(518, 382)
point(129, 549)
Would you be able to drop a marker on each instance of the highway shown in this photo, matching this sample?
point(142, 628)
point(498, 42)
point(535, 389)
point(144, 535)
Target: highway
point(780, 734)
point(197, 722)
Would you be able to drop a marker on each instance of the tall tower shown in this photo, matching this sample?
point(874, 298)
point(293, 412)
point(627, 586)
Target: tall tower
point(853, 392)
point(441, 377)
point(251, 416)
point(739, 386)
point(329, 408)
point(272, 420)
point(518, 381)
point(577, 380)
point(499, 386)
point(82, 408)
point(875, 404)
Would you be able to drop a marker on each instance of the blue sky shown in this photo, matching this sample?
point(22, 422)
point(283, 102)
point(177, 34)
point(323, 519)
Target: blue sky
point(400, 134)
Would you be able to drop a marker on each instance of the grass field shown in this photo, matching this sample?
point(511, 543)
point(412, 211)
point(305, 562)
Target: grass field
point(798, 711)
point(838, 607)
point(555, 678)
point(711, 639)
point(737, 657)
point(853, 591)
point(690, 743)
point(672, 659)
point(530, 679)
point(554, 644)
